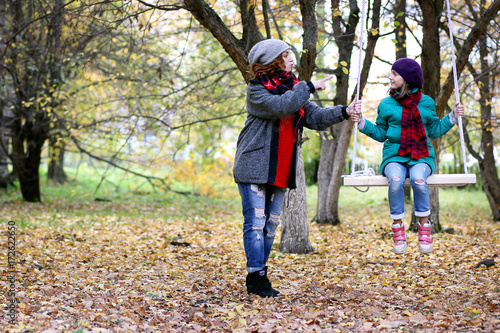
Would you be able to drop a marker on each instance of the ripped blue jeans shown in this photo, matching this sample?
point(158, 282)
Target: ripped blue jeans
point(397, 174)
point(261, 212)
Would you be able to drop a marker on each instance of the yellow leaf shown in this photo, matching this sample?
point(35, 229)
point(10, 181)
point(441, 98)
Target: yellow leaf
point(345, 70)
point(343, 63)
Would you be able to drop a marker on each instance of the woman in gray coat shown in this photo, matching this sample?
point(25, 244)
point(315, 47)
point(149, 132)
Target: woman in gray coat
point(266, 156)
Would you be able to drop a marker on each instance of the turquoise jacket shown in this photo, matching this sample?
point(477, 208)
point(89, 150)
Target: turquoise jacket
point(387, 129)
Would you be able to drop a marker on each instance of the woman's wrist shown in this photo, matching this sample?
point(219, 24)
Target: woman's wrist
point(345, 112)
point(312, 89)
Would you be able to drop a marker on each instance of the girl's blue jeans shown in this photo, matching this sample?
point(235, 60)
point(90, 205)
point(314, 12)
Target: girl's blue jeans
point(261, 212)
point(418, 173)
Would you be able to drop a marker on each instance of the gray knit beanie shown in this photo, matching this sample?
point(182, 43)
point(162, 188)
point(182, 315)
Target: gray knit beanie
point(264, 52)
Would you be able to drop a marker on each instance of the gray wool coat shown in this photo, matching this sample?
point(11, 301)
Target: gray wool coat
point(253, 151)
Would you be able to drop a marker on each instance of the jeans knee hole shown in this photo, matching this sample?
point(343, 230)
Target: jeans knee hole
point(396, 178)
point(259, 212)
point(257, 189)
point(274, 218)
point(257, 227)
point(271, 235)
point(420, 182)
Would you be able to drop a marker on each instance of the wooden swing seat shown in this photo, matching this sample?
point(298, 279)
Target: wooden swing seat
point(440, 180)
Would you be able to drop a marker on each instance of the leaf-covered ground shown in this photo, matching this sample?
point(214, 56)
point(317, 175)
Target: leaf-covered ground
point(179, 267)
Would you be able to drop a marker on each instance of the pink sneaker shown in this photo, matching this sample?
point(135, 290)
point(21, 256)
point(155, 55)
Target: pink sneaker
point(424, 237)
point(399, 237)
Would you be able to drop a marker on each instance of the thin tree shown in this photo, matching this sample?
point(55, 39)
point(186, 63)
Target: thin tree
point(486, 80)
point(335, 141)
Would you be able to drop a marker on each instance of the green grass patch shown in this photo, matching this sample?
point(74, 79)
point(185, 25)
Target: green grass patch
point(88, 193)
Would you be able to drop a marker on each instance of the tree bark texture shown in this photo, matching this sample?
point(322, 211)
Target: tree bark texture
point(294, 222)
point(331, 186)
point(329, 143)
point(335, 150)
point(487, 165)
point(309, 40)
point(236, 49)
point(294, 232)
point(5, 134)
point(431, 68)
point(55, 171)
point(399, 11)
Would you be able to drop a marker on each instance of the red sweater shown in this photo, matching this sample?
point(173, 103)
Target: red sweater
point(285, 151)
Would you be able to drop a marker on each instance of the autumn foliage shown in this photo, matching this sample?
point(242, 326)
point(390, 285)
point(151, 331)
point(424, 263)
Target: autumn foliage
point(176, 264)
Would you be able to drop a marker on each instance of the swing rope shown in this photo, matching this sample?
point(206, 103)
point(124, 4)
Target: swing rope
point(360, 45)
point(455, 82)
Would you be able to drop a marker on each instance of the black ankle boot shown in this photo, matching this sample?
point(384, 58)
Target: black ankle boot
point(256, 284)
point(268, 283)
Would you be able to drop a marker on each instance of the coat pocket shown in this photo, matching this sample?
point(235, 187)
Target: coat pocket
point(394, 134)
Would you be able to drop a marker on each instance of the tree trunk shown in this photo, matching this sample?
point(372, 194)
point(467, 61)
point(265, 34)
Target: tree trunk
point(487, 165)
point(5, 134)
point(330, 185)
point(295, 225)
point(27, 165)
point(333, 194)
point(332, 165)
point(399, 12)
point(56, 173)
point(4, 165)
point(431, 68)
point(491, 185)
point(328, 148)
point(4, 110)
point(294, 222)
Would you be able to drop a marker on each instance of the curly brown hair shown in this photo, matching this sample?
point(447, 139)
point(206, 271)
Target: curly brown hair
point(275, 65)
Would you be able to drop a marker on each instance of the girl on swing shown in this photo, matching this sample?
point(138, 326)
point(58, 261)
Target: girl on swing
point(406, 120)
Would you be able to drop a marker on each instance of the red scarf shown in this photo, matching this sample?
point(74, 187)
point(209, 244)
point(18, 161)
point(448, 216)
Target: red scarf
point(279, 83)
point(413, 136)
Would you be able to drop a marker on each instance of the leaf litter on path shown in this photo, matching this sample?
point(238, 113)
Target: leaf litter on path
point(95, 271)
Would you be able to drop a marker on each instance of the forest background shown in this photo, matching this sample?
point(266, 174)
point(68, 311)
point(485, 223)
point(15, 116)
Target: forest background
point(123, 116)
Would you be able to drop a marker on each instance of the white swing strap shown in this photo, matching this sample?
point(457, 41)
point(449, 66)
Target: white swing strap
point(455, 82)
point(358, 86)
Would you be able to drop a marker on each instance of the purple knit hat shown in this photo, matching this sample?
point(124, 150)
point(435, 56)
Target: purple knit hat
point(410, 71)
